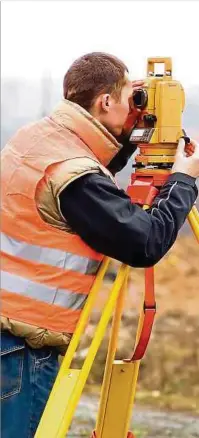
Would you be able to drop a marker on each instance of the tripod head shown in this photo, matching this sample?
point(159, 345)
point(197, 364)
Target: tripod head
point(159, 126)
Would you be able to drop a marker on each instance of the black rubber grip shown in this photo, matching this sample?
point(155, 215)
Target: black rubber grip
point(186, 139)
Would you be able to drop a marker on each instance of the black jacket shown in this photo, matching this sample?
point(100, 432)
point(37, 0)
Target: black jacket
point(108, 222)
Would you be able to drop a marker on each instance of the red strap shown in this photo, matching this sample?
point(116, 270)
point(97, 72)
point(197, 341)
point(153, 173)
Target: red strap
point(149, 315)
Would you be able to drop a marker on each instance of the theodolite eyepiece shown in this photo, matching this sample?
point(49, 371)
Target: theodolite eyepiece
point(140, 98)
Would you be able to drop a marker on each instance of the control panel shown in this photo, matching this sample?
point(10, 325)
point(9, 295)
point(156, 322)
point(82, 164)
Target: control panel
point(141, 135)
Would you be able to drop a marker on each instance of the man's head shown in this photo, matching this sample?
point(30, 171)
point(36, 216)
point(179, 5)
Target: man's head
point(99, 83)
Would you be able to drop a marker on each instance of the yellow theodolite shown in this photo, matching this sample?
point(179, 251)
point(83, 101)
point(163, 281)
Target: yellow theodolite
point(162, 102)
point(157, 132)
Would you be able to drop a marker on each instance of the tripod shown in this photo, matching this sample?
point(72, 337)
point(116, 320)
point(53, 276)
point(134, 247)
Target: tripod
point(120, 377)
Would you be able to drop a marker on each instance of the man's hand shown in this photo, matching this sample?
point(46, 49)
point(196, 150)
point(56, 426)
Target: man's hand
point(187, 158)
point(120, 160)
point(134, 113)
point(136, 85)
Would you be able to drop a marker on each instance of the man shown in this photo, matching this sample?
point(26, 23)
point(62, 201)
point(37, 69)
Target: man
point(61, 212)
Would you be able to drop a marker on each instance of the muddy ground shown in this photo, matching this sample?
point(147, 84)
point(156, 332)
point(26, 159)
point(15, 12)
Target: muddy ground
point(146, 423)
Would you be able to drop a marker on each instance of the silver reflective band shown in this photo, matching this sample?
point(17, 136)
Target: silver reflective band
point(51, 295)
point(49, 256)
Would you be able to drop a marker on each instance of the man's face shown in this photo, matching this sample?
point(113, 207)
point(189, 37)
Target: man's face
point(113, 113)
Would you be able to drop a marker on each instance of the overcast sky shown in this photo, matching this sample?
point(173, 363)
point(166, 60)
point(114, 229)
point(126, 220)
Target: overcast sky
point(42, 36)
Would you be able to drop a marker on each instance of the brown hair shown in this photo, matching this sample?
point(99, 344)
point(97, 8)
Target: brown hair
point(91, 75)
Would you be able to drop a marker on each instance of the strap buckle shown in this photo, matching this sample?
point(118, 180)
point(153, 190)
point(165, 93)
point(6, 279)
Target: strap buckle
point(147, 307)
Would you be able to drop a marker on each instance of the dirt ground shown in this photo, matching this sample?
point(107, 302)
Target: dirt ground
point(145, 423)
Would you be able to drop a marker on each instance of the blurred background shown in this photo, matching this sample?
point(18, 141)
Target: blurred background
point(39, 41)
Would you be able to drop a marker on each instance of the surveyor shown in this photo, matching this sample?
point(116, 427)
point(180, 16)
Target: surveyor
point(62, 211)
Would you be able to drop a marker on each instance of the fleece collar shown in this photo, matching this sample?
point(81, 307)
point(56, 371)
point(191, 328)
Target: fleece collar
point(75, 118)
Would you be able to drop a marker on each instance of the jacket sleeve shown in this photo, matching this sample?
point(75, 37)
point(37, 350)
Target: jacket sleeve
point(106, 220)
point(122, 157)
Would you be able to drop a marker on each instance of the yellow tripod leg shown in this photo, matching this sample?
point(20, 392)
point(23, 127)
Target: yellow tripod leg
point(196, 212)
point(120, 380)
point(120, 399)
point(60, 408)
point(111, 356)
point(117, 400)
point(193, 218)
point(61, 377)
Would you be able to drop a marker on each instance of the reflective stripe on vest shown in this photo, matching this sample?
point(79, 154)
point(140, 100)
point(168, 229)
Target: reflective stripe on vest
point(60, 297)
point(49, 256)
point(45, 284)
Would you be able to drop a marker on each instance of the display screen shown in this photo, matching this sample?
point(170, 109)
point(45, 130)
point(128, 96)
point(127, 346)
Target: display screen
point(138, 132)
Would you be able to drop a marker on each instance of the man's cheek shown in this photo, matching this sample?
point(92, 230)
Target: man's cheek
point(126, 113)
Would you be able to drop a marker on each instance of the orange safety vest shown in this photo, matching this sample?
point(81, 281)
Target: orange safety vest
point(47, 273)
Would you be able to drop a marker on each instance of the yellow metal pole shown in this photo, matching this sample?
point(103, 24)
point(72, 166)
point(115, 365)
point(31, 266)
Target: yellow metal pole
point(99, 334)
point(103, 425)
point(85, 315)
point(137, 363)
point(119, 398)
point(111, 355)
point(196, 212)
point(72, 348)
point(135, 378)
point(194, 222)
point(119, 387)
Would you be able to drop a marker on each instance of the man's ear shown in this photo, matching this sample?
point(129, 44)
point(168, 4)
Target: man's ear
point(106, 102)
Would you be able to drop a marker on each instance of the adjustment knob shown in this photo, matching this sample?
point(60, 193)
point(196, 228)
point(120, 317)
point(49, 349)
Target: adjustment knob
point(150, 118)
